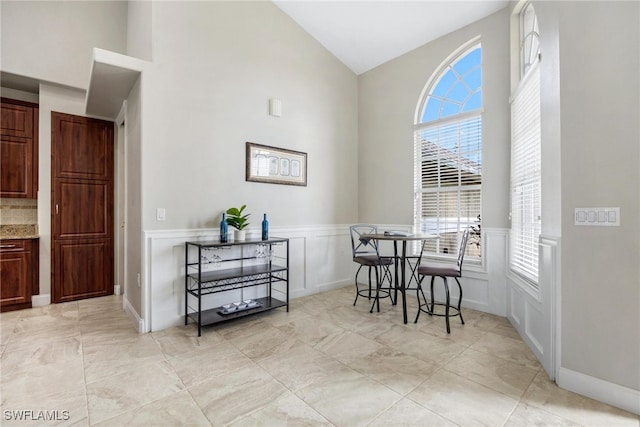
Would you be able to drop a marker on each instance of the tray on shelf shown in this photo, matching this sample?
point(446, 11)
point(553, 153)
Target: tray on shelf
point(238, 306)
point(212, 316)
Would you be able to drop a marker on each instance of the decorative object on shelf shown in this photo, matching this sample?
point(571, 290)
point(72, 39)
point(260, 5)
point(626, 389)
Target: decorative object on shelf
point(238, 306)
point(224, 229)
point(238, 221)
point(276, 165)
point(265, 228)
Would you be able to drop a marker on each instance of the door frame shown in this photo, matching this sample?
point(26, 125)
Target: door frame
point(120, 205)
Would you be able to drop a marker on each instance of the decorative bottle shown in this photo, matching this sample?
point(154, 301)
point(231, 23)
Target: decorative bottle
point(224, 229)
point(265, 228)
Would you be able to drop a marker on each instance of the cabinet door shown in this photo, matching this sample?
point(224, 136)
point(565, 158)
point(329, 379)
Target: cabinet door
point(17, 119)
point(18, 150)
point(16, 161)
point(15, 280)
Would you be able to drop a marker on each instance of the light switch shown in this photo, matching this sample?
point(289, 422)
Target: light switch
point(607, 217)
point(161, 214)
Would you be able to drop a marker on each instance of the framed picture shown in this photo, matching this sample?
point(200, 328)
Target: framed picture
point(276, 165)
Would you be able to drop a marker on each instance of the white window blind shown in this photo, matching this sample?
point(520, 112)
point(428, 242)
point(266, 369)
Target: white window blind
point(526, 177)
point(449, 181)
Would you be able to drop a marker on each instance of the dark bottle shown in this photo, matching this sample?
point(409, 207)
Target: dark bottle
point(224, 229)
point(265, 228)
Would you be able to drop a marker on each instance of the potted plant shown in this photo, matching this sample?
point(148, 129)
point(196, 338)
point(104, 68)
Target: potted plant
point(237, 220)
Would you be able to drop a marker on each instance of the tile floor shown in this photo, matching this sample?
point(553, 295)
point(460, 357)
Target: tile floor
point(323, 363)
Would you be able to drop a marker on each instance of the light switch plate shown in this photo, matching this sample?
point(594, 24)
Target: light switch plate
point(597, 217)
point(161, 214)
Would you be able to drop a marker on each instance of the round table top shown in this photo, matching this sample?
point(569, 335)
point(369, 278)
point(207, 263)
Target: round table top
point(392, 236)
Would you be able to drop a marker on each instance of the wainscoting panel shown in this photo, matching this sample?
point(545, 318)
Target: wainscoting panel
point(532, 311)
point(319, 260)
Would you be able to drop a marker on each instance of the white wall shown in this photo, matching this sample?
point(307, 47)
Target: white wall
point(215, 67)
point(388, 96)
point(599, 109)
point(53, 41)
point(139, 31)
point(133, 207)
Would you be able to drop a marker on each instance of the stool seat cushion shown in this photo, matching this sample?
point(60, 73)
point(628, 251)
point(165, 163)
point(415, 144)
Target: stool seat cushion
point(450, 270)
point(372, 260)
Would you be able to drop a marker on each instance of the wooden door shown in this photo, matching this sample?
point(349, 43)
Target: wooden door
point(82, 155)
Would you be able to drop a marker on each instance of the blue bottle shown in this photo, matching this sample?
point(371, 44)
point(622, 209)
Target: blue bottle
point(224, 229)
point(265, 228)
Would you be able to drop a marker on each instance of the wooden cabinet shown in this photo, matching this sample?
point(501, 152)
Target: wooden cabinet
point(18, 149)
point(18, 273)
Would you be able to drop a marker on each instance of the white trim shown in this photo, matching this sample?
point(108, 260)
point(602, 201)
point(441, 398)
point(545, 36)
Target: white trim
point(138, 323)
point(603, 391)
point(40, 300)
point(524, 284)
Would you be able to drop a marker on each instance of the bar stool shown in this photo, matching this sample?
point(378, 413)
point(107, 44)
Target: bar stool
point(365, 252)
point(443, 271)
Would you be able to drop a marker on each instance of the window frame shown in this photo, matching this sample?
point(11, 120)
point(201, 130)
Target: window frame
point(460, 118)
point(523, 270)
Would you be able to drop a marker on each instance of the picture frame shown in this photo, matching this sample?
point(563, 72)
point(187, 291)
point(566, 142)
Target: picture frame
point(275, 165)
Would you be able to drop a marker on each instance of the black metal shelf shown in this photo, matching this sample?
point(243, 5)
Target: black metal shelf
point(247, 272)
point(233, 273)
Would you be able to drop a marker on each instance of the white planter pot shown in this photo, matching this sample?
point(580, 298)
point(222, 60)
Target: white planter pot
point(239, 235)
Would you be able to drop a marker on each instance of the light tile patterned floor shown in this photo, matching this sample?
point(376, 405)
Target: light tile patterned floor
point(323, 363)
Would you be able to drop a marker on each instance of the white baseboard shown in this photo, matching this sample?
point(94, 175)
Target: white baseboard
point(116, 289)
point(137, 321)
point(604, 391)
point(40, 300)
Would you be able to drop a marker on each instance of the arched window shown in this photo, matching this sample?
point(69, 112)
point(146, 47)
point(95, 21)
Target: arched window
point(526, 172)
point(448, 152)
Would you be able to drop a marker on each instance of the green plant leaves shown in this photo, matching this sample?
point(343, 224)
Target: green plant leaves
point(236, 219)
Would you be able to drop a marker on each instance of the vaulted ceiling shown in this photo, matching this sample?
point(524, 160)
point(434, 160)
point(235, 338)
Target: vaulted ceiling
point(365, 34)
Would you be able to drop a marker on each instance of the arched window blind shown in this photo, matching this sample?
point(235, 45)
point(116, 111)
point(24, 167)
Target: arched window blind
point(448, 154)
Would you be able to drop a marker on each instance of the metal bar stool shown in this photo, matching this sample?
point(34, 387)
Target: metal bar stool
point(444, 271)
point(365, 253)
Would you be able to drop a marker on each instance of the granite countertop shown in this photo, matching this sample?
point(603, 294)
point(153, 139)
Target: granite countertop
point(19, 231)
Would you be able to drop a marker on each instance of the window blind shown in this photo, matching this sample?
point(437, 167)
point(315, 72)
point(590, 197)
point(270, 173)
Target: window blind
point(449, 181)
point(526, 177)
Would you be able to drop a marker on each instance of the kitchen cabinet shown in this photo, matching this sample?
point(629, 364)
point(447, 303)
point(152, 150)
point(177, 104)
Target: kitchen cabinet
point(18, 149)
point(19, 271)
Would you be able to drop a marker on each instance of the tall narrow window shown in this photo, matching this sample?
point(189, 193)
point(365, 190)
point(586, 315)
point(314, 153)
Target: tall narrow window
point(448, 153)
point(525, 154)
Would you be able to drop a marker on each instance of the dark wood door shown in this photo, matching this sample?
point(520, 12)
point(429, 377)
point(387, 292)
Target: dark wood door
point(82, 207)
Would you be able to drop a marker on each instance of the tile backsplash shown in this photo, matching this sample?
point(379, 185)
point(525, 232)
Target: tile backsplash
point(18, 211)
